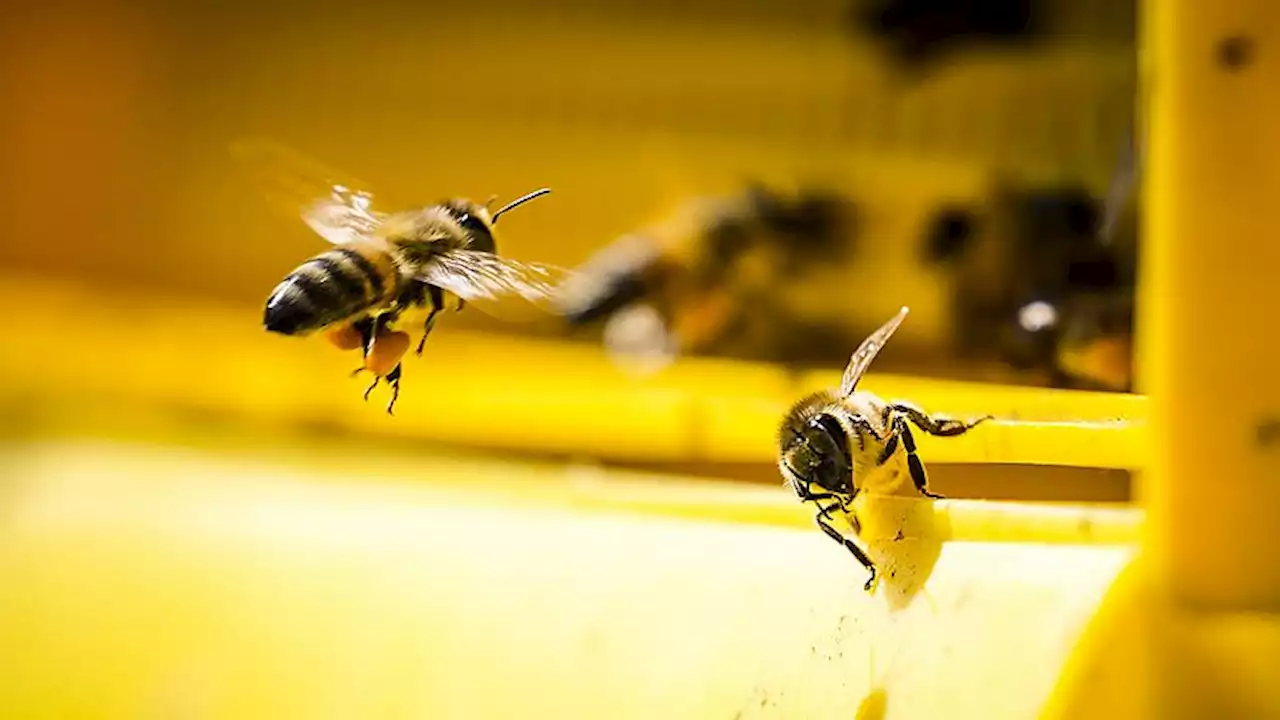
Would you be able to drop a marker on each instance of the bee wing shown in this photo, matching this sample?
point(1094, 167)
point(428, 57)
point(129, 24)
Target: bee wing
point(498, 286)
point(1127, 173)
point(337, 207)
point(867, 352)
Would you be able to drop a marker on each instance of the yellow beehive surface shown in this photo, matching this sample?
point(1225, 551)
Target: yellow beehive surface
point(146, 581)
point(266, 572)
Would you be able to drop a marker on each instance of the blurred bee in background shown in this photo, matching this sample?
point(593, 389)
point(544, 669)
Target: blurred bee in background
point(710, 279)
point(385, 263)
point(1035, 280)
point(834, 444)
point(1095, 343)
point(924, 34)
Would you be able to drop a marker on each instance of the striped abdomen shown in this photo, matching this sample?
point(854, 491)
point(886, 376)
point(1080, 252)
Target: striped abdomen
point(330, 287)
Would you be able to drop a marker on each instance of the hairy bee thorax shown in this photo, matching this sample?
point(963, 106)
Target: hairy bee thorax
point(802, 411)
point(449, 225)
point(850, 412)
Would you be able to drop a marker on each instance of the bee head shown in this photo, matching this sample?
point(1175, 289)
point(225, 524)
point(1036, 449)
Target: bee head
point(478, 221)
point(475, 219)
point(813, 451)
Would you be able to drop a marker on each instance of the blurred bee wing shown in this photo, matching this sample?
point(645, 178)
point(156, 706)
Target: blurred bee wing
point(337, 207)
point(867, 352)
point(1127, 173)
point(504, 288)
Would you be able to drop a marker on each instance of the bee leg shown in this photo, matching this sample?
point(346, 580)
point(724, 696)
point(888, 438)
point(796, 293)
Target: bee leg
point(393, 379)
point(918, 477)
point(817, 498)
point(855, 522)
point(369, 389)
point(824, 514)
point(890, 447)
point(365, 326)
point(842, 501)
point(437, 304)
point(944, 427)
point(863, 430)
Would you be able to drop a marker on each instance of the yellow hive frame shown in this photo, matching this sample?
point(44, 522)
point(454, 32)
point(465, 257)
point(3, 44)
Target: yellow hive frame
point(1193, 630)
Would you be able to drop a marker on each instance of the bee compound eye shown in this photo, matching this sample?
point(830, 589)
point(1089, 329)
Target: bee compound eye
point(832, 465)
point(471, 222)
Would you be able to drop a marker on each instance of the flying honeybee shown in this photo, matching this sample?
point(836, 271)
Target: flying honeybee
point(385, 263)
point(835, 444)
point(712, 278)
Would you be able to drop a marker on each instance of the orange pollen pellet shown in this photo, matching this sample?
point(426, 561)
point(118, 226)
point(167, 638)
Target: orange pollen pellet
point(388, 348)
point(345, 337)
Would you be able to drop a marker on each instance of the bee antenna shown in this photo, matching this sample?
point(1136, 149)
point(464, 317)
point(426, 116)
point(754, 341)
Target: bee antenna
point(520, 201)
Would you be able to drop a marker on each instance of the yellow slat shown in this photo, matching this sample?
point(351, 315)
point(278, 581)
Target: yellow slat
point(506, 392)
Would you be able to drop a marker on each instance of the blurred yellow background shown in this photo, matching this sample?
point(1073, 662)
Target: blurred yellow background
point(121, 114)
point(122, 185)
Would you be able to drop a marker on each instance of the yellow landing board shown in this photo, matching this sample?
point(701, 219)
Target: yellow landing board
point(147, 581)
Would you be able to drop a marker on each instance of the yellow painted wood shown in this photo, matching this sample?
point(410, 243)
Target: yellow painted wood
point(1192, 630)
point(301, 582)
point(503, 392)
point(1208, 354)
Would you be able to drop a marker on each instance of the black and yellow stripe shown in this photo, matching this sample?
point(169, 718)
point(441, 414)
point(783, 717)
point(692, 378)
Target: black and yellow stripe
point(379, 269)
point(339, 273)
point(332, 283)
point(331, 287)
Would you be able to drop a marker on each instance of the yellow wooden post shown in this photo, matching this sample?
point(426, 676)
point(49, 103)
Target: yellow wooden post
point(1210, 350)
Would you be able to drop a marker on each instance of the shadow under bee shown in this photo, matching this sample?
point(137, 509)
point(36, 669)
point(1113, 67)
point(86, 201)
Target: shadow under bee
point(903, 536)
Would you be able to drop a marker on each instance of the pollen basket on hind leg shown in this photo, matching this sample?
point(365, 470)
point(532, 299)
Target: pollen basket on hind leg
point(387, 350)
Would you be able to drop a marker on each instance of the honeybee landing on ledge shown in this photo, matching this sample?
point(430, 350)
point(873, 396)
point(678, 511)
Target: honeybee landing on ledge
point(835, 444)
